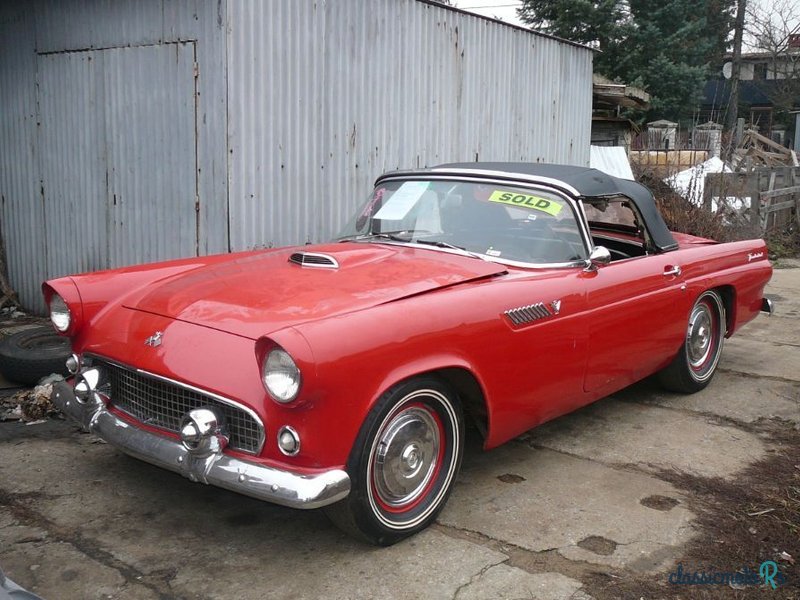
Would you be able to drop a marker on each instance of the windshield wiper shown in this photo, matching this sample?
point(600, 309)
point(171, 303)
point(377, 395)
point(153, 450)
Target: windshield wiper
point(440, 244)
point(393, 236)
point(384, 235)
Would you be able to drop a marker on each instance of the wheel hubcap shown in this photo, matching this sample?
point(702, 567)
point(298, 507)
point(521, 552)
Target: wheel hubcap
point(699, 337)
point(406, 456)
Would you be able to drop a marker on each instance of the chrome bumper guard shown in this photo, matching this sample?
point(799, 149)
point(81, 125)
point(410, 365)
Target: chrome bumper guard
point(767, 306)
point(218, 469)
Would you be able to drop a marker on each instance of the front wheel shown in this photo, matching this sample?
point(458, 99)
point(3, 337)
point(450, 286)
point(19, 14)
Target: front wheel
point(696, 362)
point(404, 463)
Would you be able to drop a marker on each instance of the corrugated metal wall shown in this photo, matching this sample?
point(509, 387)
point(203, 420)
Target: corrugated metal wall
point(298, 106)
point(325, 95)
point(107, 140)
point(21, 207)
point(113, 189)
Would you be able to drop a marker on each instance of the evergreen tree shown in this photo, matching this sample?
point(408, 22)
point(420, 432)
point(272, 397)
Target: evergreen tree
point(601, 24)
point(665, 46)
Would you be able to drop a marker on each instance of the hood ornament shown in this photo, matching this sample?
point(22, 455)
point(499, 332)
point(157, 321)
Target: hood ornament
point(154, 340)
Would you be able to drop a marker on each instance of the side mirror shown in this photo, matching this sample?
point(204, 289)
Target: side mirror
point(599, 256)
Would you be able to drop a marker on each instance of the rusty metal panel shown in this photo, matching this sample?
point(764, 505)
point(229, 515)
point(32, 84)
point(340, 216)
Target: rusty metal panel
point(323, 96)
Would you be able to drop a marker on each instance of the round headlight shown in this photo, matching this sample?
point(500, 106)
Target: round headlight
point(59, 313)
point(280, 375)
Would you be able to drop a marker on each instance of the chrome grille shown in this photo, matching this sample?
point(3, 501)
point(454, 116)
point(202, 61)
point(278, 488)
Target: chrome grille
point(163, 403)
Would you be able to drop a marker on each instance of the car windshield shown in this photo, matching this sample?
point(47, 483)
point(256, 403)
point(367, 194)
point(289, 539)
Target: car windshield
point(495, 220)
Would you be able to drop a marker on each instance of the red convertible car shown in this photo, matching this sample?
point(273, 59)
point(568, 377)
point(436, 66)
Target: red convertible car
point(340, 375)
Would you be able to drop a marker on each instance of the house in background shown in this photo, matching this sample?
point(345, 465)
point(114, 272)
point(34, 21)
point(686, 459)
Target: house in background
point(769, 91)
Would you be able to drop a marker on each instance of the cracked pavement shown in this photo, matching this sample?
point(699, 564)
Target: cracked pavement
point(531, 519)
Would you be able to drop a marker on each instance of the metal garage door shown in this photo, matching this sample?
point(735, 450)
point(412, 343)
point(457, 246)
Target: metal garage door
point(119, 159)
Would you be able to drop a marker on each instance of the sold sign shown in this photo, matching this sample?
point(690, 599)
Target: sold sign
point(551, 207)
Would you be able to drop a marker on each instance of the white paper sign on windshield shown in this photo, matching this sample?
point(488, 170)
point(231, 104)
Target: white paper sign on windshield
point(398, 205)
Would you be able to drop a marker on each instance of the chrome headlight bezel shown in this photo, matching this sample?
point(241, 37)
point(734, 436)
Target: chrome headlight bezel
point(60, 314)
point(281, 376)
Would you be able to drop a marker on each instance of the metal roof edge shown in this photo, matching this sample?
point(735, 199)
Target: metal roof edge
point(504, 23)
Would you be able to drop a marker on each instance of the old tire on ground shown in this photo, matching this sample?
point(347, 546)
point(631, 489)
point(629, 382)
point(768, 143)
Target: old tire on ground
point(404, 463)
point(696, 361)
point(29, 355)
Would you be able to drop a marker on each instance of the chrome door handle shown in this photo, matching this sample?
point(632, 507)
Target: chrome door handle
point(676, 270)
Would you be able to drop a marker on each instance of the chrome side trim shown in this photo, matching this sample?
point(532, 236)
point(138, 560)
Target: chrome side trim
point(186, 386)
point(218, 469)
point(767, 306)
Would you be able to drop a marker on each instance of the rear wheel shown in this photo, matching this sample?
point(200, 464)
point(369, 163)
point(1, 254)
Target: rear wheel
point(696, 362)
point(404, 463)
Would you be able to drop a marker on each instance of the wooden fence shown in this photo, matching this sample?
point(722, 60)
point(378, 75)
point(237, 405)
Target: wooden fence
point(774, 194)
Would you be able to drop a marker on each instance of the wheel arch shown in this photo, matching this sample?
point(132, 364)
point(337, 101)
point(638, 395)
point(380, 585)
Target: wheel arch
point(461, 378)
point(728, 295)
point(471, 394)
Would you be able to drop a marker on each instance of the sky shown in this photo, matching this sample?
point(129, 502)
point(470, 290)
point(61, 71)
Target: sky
point(506, 10)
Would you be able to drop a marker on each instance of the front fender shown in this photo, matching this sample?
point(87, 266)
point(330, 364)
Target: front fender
point(357, 357)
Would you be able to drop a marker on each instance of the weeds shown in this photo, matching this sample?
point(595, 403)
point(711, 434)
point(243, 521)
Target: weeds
point(725, 225)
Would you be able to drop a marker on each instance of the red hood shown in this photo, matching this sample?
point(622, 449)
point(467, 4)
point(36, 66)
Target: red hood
point(257, 294)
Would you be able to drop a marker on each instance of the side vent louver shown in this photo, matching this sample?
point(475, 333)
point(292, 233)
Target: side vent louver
point(313, 259)
point(531, 312)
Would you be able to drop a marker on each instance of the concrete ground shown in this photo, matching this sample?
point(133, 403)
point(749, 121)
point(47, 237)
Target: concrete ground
point(531, 519)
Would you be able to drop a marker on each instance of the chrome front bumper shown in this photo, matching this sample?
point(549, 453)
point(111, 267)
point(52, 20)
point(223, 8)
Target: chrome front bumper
point(219, 469)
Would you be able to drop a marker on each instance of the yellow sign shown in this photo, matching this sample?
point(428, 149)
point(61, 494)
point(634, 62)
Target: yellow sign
point(551, 207)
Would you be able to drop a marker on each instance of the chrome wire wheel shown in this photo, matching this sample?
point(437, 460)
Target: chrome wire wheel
point(704, 336)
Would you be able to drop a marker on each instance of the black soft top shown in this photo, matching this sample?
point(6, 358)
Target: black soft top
point(581, 182)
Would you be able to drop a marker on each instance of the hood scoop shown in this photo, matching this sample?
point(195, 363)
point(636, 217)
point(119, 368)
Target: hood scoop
point(314, 259)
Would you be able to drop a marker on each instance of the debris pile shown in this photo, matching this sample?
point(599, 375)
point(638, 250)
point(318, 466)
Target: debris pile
point(11, 312)
point(30, 406)
point(762, 151)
